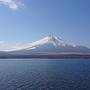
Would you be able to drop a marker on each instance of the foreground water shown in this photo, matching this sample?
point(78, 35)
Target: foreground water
point(45, 74)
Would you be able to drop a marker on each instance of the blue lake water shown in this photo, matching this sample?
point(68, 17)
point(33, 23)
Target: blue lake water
point(45, 74)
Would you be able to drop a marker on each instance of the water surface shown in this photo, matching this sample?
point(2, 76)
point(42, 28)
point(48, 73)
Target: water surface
point(45, 74)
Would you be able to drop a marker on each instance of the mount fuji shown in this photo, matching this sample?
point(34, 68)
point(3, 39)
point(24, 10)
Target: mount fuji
point(51, 44)
point(48, 47)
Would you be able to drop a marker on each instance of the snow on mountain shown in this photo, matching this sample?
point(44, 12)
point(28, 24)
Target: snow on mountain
point(50, 44)
point(47, 44)
point(47, 40)
point(18, 46)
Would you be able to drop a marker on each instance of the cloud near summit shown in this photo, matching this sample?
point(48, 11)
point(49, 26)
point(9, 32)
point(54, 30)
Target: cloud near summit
point(12, 4)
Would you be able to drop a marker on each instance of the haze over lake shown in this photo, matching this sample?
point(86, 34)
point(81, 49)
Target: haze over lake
point(45, 74)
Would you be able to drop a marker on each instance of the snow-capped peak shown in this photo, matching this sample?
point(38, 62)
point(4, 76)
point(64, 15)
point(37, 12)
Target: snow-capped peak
point(47, 40)
point(56, 40)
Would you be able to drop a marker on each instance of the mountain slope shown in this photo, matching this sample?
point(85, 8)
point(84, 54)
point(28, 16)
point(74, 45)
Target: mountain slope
point(50, 44)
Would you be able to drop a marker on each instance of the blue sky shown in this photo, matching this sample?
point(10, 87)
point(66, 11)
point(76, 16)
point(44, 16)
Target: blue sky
point(30, 20)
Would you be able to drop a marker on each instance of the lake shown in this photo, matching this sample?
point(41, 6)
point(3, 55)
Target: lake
point(45, 74)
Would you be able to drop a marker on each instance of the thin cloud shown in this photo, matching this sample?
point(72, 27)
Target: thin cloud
point(12, 4)
point(6, 46)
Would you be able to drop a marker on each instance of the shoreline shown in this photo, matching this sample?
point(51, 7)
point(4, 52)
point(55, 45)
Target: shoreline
point(47, 56)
